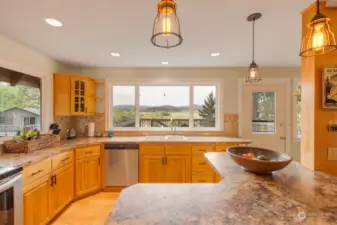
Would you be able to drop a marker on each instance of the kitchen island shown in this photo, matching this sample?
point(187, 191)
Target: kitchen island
point(294, 195)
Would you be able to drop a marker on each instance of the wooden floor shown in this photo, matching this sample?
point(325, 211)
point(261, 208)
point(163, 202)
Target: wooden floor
point(93, 210)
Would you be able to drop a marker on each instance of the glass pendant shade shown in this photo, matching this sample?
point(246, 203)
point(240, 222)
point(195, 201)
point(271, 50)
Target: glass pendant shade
point(318, 39)
point(253, 73)
point(253, 70)
point(166, 27)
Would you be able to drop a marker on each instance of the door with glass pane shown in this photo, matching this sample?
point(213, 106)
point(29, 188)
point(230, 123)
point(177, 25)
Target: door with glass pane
point(78, 90)
point(263, 116)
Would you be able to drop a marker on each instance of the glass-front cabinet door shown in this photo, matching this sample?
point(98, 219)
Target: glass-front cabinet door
point(78, 91)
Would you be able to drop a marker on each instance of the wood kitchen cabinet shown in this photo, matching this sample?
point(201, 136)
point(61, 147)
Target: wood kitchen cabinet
point(36, 203)
point(151, 169)
point(177, 169)
point(62, 191)
point(88, 170)
point(168, 163)
point(48, 187)
point(74, 95)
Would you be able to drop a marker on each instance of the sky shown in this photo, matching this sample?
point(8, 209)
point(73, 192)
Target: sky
point(160, 95)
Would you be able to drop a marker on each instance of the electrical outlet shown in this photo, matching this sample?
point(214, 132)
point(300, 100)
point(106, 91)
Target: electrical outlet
point(332, 153)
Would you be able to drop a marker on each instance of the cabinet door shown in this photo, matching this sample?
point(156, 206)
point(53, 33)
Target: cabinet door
point(61, 95)
point(88, 175)
point(78, 89)
point(36, 204)
point(90, 97)
point(151, 169)
point(62, 192)
point(177, 169)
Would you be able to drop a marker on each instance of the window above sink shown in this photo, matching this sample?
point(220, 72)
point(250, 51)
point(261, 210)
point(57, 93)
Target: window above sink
point(157, 105)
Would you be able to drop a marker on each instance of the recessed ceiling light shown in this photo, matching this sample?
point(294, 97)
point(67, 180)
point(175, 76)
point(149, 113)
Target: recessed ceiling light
point(115, 54)
point(215, 54)
point(53, 22)
point(164, 63)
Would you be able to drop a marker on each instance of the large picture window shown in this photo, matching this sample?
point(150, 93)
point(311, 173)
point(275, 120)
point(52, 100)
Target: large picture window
point(20, 102)
point(151, 106)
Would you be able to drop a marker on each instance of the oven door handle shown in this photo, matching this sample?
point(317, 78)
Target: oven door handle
point(9, 182)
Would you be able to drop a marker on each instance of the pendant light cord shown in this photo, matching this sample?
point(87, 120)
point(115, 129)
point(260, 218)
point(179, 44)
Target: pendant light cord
point(253, 40)
point(317, 10)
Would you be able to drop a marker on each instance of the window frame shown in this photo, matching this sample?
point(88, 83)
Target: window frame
point(159, 81)
point(296, 81)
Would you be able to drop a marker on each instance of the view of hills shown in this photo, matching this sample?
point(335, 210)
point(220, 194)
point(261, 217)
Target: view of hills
point(163, 108)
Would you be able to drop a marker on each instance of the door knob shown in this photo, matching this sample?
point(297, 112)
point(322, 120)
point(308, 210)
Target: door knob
point(282, 138)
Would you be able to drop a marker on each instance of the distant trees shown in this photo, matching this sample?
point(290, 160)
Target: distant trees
point(18, 96)
point(207, 112)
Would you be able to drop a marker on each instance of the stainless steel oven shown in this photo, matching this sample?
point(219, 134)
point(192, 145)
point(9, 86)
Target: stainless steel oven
point(11, 196)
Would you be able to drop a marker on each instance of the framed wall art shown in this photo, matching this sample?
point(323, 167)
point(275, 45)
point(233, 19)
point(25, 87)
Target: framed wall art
point(330, 88)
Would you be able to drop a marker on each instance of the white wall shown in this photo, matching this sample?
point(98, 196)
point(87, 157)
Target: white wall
point(17, 57)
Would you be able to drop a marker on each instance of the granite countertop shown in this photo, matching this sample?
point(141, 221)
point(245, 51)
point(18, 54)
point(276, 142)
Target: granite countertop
point(294, 195)
point(63, 146)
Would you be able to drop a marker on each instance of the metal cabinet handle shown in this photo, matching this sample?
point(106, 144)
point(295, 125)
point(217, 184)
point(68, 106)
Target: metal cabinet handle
point(202, 163)
point(37, 172)
point(99, 161)
point(202, 150)
point(52, 181)
point(65, 159)
point(202, 181)
point(55, 179)
point(88, 152)
point(165, 160)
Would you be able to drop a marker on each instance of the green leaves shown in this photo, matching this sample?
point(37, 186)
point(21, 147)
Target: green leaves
point(19, 96)
point(208, 111)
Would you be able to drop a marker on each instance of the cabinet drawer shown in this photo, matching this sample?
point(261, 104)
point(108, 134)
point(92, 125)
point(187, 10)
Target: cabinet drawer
point(177, 149)
point(62, 160)
point(200, 163)
point(86, 152)
point(36, 171)
point(223, 148)
point(203, 177)
point(202, 149)
point(152, 149)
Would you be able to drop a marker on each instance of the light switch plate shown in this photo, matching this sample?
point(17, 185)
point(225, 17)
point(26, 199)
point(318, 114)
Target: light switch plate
point(332, 153)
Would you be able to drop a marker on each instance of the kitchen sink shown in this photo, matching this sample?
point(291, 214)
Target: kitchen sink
point(165, 138)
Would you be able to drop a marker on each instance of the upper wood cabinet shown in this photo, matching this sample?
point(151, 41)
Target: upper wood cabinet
point(74, 95)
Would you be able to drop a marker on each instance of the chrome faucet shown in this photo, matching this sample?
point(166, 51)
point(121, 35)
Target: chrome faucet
point(173, 130)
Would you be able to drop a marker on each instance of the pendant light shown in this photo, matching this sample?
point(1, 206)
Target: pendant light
point(253, 71)
point(166, 27)
point(319, 38)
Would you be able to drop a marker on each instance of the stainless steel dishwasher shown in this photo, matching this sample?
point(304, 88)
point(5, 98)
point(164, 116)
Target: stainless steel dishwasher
point(121, 164)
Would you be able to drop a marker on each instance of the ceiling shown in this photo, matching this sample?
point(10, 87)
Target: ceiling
point(94, 29)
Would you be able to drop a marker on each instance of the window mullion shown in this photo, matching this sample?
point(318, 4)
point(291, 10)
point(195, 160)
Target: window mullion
point(191, 110)
point(137, 106)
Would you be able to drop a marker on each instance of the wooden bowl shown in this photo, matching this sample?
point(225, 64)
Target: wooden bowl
point(277, 160)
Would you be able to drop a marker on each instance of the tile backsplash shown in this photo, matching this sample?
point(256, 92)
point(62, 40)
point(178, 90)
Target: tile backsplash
point(80, 123)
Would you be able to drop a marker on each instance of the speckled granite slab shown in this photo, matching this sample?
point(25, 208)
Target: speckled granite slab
point(294, 195)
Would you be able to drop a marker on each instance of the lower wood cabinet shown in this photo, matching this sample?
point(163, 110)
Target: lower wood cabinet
point(36, 203)
point(165, 163)
point(151, 169)
point(62, 189)
point(177, 169)
point(88, 175)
